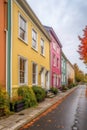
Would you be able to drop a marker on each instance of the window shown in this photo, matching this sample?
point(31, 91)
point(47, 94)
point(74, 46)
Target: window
point(42, 46)
point(57, 49)
point(34, 39)
point(57, 62)
point(54, 46)
point(34, 74)
point(54, 60)
point(22, 28)
point(23, 67)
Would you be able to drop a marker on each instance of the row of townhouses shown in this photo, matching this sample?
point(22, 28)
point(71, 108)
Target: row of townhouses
point(30, 53)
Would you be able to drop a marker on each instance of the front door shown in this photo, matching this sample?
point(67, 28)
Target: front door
point(47, 81)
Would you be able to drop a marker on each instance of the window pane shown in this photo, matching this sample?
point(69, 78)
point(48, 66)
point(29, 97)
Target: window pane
point(22, 70)
point(42, 46)
point(34, 39)
point(22, 34)
point(22, 28)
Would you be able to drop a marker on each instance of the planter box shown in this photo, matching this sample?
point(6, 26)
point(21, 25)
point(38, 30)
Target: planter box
point(17, 106)
point(2, 112)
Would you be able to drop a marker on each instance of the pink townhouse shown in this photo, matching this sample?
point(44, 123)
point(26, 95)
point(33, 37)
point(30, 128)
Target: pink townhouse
point(55, 58)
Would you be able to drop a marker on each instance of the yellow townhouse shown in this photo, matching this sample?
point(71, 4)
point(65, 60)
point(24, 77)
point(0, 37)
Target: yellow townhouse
point(70, 72)
point(30, 61)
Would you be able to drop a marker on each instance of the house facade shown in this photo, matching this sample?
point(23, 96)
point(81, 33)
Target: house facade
point(30, 62)
point(3, 42)
point(64, 69)
point(70, 73)
point(55, 58)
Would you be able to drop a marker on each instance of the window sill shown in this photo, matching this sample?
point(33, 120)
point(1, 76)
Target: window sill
point(22, 40)
point(21, 84)
point(42, 55)
point(35, 49)
point(34, 84)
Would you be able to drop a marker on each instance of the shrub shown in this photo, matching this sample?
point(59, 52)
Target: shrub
point(71, 85)
point(54, 90)
point(64, 88)
point(4, 103)
point(28, 96)
point(39, 93)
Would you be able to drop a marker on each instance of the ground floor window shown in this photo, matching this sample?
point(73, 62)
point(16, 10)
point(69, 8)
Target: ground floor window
point(23, 67)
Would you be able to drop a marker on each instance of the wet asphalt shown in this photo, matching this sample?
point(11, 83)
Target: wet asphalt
point(71, 114)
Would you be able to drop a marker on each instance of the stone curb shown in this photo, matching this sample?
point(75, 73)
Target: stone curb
point(22, 122)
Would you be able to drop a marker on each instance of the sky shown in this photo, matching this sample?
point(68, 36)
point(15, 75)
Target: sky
point(68, 18)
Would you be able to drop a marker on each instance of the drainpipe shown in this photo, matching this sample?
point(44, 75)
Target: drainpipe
point(9, 50)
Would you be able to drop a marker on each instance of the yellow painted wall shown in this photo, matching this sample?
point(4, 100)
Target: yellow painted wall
point(70, 72)
point(25, 50)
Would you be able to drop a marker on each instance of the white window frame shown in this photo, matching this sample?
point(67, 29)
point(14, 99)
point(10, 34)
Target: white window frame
point(54, 60)
point(26, 29)
point(42, 46)
point(57, 61)
point(57, 49)
point(35, 47)
point(54, 46)
point(26, 71)
point(36, 79)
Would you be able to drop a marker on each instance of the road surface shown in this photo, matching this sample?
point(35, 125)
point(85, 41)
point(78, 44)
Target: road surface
point(71, 114)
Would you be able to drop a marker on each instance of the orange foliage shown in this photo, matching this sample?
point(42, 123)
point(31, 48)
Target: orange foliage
point(82, 49)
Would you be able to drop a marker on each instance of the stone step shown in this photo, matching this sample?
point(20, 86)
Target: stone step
point(50, 95)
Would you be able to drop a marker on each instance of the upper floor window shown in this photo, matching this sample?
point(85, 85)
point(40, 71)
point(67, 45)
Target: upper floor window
point(54, 60)
point(34, 39)
point(22, 28)
point(57, 62)
point(57, 50)
point(54, 46)
point(42, 46)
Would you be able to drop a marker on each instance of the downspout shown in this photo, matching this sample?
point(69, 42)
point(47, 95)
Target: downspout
point(9, 51)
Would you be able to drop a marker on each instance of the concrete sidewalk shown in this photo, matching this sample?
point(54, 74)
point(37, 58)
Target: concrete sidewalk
point(14, 122)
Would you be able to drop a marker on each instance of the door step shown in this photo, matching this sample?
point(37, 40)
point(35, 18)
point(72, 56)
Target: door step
point(50, 95)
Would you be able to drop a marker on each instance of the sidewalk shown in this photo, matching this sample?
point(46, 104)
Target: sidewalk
point(14, 122)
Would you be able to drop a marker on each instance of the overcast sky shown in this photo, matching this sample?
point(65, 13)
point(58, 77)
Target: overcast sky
point(68, 18)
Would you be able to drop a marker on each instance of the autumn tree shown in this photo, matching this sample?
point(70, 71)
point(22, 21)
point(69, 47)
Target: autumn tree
point(82, 48)
point(79, 75)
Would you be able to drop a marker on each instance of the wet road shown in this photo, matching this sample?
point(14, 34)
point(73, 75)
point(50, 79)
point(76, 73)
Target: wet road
point(71, 114)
